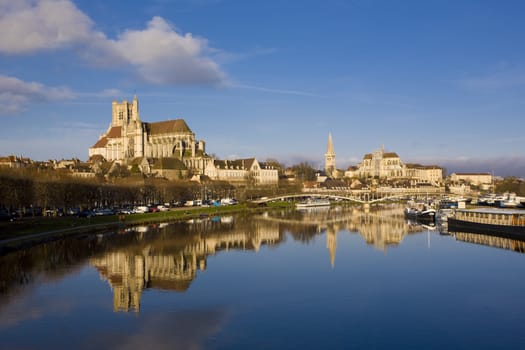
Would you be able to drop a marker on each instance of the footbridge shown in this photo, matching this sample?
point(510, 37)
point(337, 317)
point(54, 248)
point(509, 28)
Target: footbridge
point(356, 196)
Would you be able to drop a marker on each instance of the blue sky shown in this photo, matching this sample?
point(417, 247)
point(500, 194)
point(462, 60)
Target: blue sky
point(438, 82)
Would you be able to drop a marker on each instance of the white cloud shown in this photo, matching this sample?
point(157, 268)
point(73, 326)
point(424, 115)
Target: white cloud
point(163, 56)
point(16, 94)
point(158, 54)
point(29, 26)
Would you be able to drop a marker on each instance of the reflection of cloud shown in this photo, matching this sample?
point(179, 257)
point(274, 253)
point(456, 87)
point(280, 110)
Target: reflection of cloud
point(173, 330)
point(32, 308)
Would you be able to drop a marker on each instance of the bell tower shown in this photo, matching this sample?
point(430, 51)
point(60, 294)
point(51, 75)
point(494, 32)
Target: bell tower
point(125, 113)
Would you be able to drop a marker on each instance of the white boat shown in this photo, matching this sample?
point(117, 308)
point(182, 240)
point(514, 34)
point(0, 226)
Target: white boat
point(443, 214)
point(313, 202)
point(509, 203)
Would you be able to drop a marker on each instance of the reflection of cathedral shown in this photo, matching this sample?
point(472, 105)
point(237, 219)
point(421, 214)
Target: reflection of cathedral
point(130, 272)
point(388, 228)
point(381, 228)
point(162, 264)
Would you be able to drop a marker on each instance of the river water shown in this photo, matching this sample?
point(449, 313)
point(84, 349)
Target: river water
point(322, 279)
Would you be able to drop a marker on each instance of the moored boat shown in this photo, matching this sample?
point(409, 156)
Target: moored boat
point(442, 215)
point(491, 221)
point(313, 202)
point(452, 203)
point(424, 214)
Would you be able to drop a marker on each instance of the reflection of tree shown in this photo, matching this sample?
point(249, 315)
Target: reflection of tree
point(47, 261)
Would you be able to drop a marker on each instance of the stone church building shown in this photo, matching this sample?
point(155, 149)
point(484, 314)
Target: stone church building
point(129, 138)
point(383, 165)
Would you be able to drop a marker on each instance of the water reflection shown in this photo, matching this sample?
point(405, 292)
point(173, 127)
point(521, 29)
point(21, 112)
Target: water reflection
point(171, 262)
point(491, 241)
point(169, 256)
point(381, 227)
point(256, 297)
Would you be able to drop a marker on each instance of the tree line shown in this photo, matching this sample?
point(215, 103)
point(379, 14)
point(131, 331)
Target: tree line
point(24, 191)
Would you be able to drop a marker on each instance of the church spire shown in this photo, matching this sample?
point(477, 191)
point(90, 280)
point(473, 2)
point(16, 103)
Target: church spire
point(329, 158)
point(330, 149)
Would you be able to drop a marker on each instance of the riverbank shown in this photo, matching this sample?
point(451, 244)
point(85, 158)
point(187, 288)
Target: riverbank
point(34, 230)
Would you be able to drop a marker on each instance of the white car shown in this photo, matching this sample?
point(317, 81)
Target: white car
point(141, 209)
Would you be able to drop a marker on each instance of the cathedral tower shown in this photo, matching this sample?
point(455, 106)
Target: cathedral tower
point(329, 158)
point(125, 113)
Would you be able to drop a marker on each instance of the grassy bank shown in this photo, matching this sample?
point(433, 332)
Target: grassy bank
point(38, 228)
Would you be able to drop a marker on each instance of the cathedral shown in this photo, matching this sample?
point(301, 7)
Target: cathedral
point(384, 165)
point(129, 138)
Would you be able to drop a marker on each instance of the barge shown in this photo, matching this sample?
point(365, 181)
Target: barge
point(489, 221)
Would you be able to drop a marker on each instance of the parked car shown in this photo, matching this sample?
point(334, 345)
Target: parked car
point(103, 212)
point(125, 211)
point(4, 215)
point(85, 213)
point(228, 201)
point(141, 209)
point(72, 211)
point(162, 208)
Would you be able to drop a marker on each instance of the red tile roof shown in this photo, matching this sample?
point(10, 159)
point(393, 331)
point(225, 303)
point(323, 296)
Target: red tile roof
point(168, 126)
point(113, 133)
point(101, 143)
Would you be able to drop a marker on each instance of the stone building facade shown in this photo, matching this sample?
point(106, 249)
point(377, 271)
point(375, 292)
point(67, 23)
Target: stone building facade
point(471, 178)
point(388, 165)
point(242, 171)
point(382, 164)
point(128, 138)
